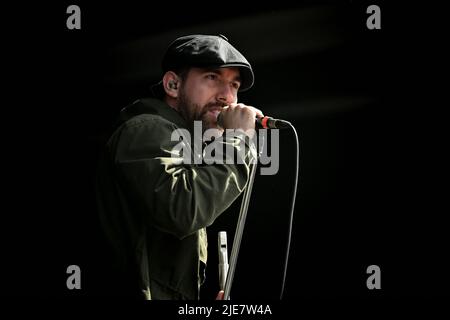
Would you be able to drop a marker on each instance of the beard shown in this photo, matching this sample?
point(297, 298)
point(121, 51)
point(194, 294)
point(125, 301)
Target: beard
point(207, 113)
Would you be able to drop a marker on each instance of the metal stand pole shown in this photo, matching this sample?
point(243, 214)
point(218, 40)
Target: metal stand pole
point(239, 232)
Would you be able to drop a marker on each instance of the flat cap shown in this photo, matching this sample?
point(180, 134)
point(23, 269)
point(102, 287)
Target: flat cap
point(206, 51)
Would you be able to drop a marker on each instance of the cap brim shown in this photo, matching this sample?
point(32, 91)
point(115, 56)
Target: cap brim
point(247, 78)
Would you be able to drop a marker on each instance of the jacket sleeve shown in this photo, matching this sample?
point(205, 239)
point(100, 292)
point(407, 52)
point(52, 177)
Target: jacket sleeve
point(172, 196)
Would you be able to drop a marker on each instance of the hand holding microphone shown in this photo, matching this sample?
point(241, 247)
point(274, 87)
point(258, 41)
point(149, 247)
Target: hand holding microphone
point(240, 116)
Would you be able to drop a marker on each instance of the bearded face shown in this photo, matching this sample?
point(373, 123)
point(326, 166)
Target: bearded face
point(204, 92)
point(206, 113)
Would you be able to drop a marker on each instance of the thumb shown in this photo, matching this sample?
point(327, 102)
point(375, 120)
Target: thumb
point(220, 295)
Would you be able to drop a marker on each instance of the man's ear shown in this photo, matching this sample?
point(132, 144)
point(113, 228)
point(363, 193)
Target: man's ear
point(171, 84)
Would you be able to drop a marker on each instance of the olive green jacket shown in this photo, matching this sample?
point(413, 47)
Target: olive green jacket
point(154, 208)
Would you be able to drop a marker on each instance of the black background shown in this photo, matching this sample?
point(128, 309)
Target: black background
point(369, 189)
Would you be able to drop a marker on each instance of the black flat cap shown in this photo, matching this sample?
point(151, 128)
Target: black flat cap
point(205, 51)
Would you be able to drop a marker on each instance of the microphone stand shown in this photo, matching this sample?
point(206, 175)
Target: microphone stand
point(276, 123)
point(239, 232)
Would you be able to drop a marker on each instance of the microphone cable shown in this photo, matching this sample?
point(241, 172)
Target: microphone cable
point(291, 216)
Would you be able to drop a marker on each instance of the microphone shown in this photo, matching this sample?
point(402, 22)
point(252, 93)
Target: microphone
point(271, 123)
point(263, 122)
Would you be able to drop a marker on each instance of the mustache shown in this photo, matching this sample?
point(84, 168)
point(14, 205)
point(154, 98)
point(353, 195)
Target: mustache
point(213, 106)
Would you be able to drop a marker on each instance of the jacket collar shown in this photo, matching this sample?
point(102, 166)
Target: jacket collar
point(152, 106)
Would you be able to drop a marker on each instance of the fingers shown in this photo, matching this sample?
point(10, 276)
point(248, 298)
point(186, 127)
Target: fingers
point(220, 295)
point(257, 112)
point(239, 116)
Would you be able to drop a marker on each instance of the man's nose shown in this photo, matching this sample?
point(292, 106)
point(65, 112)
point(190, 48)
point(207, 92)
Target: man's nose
point(227, 95)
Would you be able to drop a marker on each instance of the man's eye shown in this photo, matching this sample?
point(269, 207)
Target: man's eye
point(211, 76)
point(236, 85)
